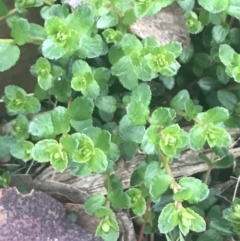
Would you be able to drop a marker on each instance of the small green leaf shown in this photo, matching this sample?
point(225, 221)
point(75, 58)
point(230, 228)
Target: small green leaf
point(193, 24)
point(102, 141)
point(159, 185)
point(168, 81)
point(22, 150)
point(220, 33)
point(107, 21)
point(186, 54)
point(20, 31)
point(216, 18)
point(102, 212)
point(3, 8)
point(113, 183)
point(123, 69)
point(39, 151)
point(106, 103)
point(138, 112)
point(208, 84)
point(228, 99)
point(43, 68)
point(220, 225)
point(215, 115)
point(32, 105)
point(81, 109)
point(114, 153)
point(226, 54)
point(5, 179)
point(130, 43)
point(15, 98)
point(83, 79)
point(20, 127)
point(79, 126)
point(198, 137)
point(119, 199)
point(108, 229)
point(222, 75)
point(85, 150)
point(175, 48)
point(86, 84)
point(42, 126)
point(233, 8)
point(37, 32)
point(191, 109)
point(85, 15)
point(234, 35)
point(210, 234)
point(187, 5)
point(151, 138)
point(92, 46)
point(162, 116)
point(225, 162)
point(164, 225)
point(182, 194)
point(115, 53)
point(112, 36)
point(129, 149)
point(98, 162)
point(217, 136)
point(69, 143)
point(152, 171)
point(59, 160)
point(214, 6)
point(60, 120)
point(61, 35)
point(142, 92)
point(138, 203)
point(173, 139)
point(189, 220)
point(61, 90)
point(235, 73)
point(163, 61)
point(55, 10)
point(79, 169)
point(94, 203)
point(178, 101)
point(5, 145)
point(9, 56)
point(130, 131)
point(51, 51)
point(202, 60)
point(129, 17)
point(198, 189)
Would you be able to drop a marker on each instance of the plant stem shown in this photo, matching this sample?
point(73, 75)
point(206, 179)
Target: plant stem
point(182, 113)
point(30, 41)
point(35, 41)
point(10, 41)
point(118, 12)
point(231, 21)
point(164, 160)
point(9, 14)
point(209, 169)
point(140, 237)
point(108, 186)
point(48, 2)
point(207, 174)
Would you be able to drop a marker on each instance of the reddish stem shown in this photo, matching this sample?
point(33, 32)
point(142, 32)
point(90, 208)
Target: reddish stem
point(140, 237)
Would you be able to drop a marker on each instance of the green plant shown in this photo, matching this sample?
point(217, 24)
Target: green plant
point(98, 73)
point(5, 179)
